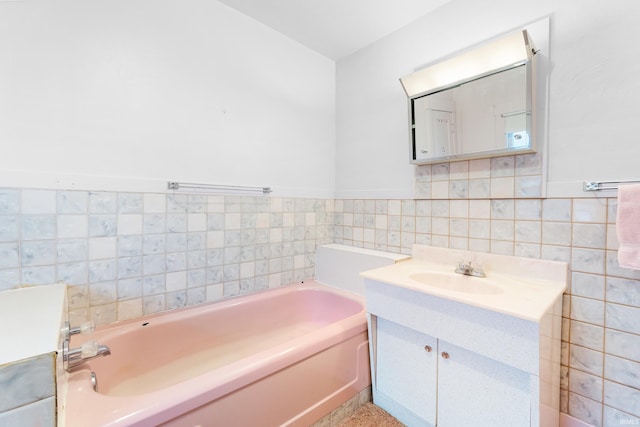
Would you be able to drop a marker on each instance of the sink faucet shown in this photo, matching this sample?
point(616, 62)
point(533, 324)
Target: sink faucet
point(469, 270)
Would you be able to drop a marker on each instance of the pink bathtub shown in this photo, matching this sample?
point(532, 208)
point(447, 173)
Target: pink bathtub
point(281, 357)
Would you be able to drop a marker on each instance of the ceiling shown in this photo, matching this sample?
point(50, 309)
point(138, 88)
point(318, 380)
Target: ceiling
point(335, 28)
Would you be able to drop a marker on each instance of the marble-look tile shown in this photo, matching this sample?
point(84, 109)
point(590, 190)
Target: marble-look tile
point(503, 166)
point(129, 288)
point(196, 295)
point(440, 189)
point(154, 223)
point(177, 203)
point(38, 252)
point(528, 210)
point(177, 242)
point(176, 281)
point(556, 233)
point(623, 318)
point(154, 203)
point(623, 291)
point(130, 309)
point(153, 244)
point(72, 226)
point(585, 409)
point(103, 203)
point(104, 314)
point(588, 285)
point(586, 360)
point(72, 202)
point(590, 210)
point(153, 285)
point(129, 245)
point(587, 335)
point(502, 209)
point(623, 371)
point(40, 413)
point(556, 253)
point(9, 201)
point(528, 231)
point(502, 188)
point(622, 344)
point(529, 164)
point(589, 235)
point(196, 278)
point(9, 228)
point(38, 202)
point(75, 273)
point(479, 188)
point(588, 260)
point(556, 209)
point(9, 255)
point(69, 250)
point(459, 189)
point(196, 260)
point(614, 417)
point(44, 275)
point(502, 230)
point(528, 186)
point(38, 227)
point(27, 381)
point(176, 299)
point(132, 224)
point(103, 293)
point(613, 269)
point(130, 203)
point(585, 384)
point(625, 398)
point(479, 168)
point(77, 296)
point(102, 270)
point(197, 203)
point(153, 304)
point(102, 225)
point(587, 310)
point(440, 171)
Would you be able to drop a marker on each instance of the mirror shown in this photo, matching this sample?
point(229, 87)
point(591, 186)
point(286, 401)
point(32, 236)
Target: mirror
point(484, 115)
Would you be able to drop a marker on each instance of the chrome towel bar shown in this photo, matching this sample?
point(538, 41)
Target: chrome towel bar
point(172, 185)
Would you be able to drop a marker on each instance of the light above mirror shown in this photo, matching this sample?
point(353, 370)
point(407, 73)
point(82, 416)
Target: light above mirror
point(476, 104)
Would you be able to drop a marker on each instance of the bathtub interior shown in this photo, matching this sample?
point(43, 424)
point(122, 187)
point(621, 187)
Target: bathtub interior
point(155, 353)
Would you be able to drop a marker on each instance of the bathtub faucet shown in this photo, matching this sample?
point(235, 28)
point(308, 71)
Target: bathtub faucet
point(77, 356)
point(73, 357)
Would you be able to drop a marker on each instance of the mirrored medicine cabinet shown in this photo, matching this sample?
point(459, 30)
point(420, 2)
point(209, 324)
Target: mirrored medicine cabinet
point(477, 104)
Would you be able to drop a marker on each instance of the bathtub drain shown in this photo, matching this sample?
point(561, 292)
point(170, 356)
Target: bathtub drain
point(94, 381)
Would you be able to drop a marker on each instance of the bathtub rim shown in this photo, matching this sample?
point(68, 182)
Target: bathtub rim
point(121, 410)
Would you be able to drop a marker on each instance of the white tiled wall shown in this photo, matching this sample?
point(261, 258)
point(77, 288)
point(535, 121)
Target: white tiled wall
point(601, 329)
point(130, 254)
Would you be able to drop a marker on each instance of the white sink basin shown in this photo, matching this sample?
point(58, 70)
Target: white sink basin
point(457, 282)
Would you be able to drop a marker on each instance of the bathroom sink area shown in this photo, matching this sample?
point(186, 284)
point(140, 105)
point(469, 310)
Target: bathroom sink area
point(454, 332)
point(519, 287)
point(457, 282)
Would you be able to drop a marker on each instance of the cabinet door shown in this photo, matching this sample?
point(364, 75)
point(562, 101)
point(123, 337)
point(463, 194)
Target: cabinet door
point(406, 363)
point(476, 391)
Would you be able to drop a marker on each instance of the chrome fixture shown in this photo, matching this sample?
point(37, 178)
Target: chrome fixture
point(604, 185)
point(469, 270)
point(73, 357)
point(242, 189)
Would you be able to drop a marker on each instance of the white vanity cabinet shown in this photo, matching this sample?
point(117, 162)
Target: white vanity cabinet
point(426, 381)
point(487, 360)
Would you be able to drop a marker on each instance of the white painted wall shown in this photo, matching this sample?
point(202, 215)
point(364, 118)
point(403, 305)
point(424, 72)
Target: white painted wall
point(594, 88)
point(134, 93)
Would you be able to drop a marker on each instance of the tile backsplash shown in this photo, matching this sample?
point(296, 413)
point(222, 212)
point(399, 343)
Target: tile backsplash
point(125, 255)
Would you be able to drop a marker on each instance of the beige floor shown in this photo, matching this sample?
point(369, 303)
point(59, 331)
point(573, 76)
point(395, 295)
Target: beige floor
point(370, 415)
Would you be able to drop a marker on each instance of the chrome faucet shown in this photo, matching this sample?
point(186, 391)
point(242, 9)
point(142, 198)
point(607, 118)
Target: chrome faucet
point(469, 270)
point(77, 356)
point(73, 357)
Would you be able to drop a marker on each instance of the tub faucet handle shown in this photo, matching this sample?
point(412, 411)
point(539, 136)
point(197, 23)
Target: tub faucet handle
point(85, 328)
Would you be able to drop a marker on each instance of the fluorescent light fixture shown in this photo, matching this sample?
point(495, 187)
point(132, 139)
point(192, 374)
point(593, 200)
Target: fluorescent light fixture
point(489, 58)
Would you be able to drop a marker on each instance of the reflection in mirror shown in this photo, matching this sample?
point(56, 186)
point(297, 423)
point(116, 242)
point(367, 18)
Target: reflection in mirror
point(484, 115)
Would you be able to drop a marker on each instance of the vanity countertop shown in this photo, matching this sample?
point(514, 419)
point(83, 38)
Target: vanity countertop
point(30, 320)
point(524, 288)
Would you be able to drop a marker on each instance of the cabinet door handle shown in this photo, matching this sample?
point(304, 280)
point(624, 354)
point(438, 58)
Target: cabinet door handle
point(427, 348)
point(445, 355)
